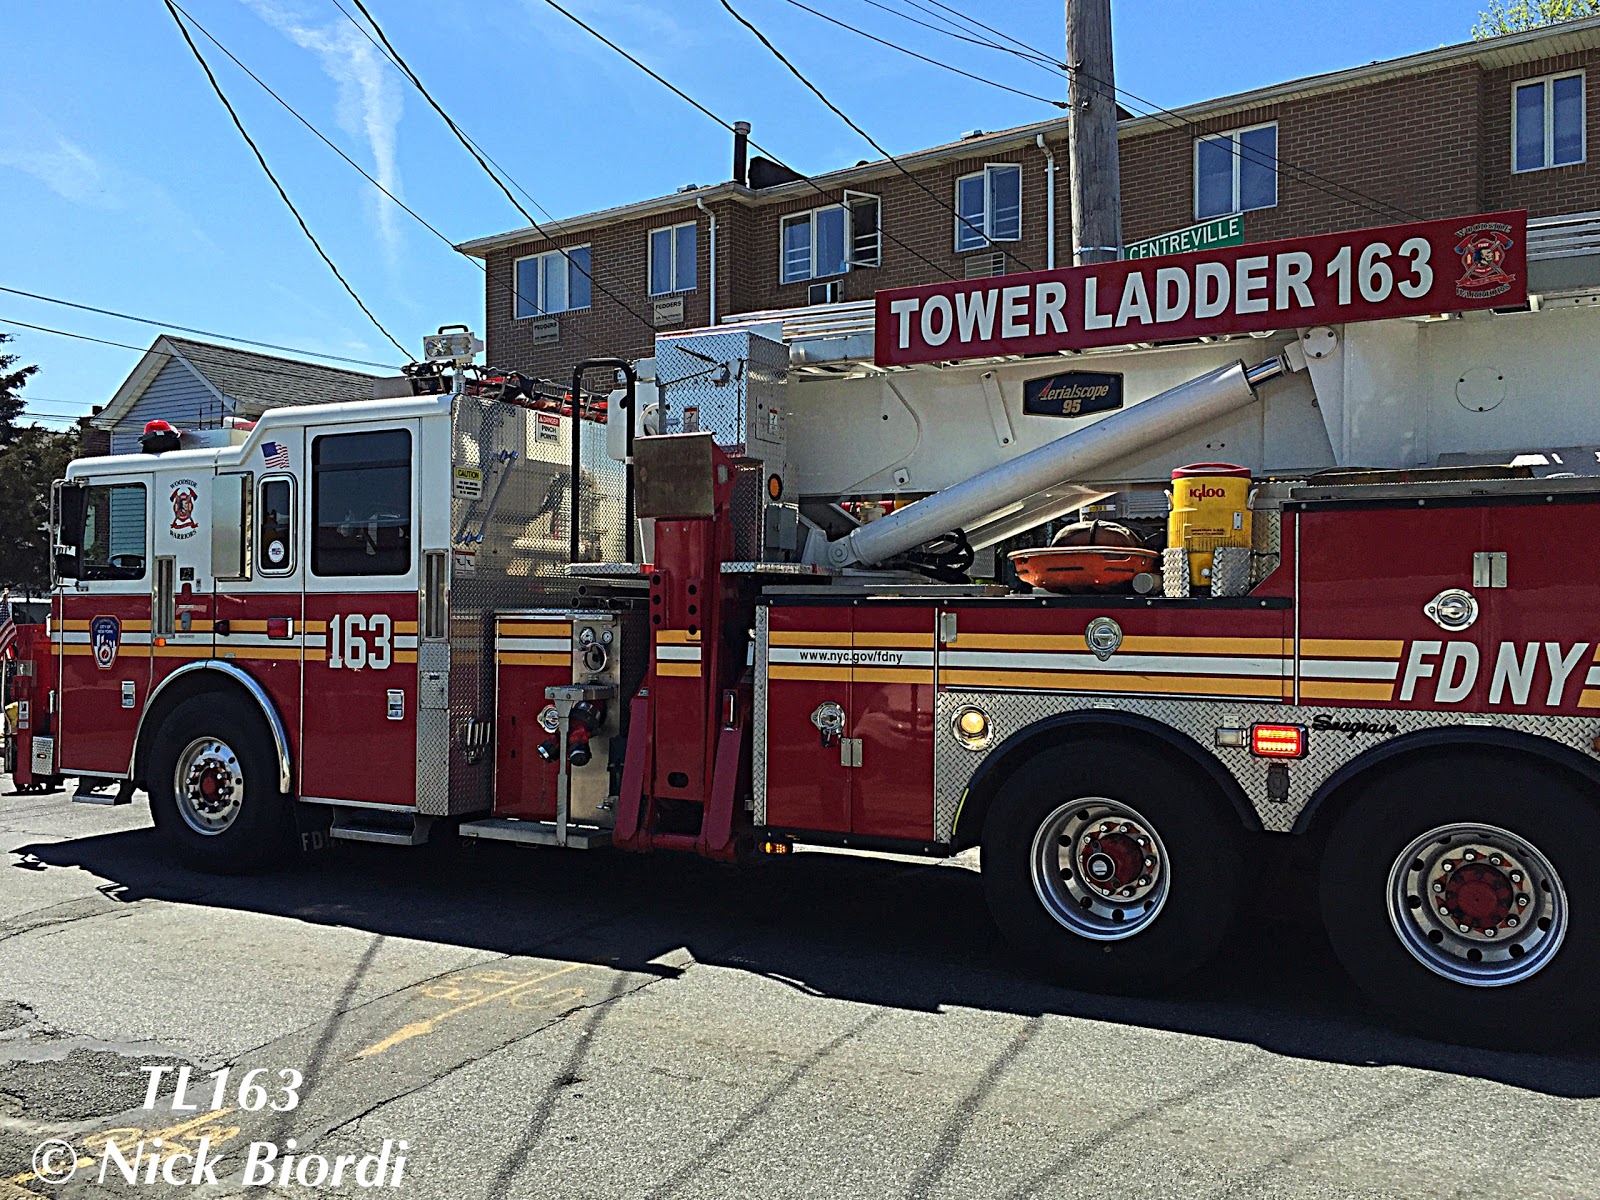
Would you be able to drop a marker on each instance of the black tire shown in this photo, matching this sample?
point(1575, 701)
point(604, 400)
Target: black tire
point(1541, 805)
point(1201, 835)
point(259, 833)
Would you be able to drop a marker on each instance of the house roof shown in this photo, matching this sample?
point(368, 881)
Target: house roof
point(245, 382)
point(1504, 51)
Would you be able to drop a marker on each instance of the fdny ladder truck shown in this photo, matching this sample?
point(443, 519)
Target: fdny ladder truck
point(751, 601)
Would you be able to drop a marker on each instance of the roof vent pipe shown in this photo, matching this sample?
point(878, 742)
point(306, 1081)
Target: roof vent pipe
point(741, 151)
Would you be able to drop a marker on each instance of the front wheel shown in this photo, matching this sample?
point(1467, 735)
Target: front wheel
point(1114, 868)
point(1458, 893)
point(213, 783)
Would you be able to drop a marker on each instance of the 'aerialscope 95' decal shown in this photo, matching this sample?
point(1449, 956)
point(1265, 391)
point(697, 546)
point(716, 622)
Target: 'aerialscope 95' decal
point(1367, 275)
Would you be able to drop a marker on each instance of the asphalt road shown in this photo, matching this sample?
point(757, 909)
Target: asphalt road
point(538, 1024)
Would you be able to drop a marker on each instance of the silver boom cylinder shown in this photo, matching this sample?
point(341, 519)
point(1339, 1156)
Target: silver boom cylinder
point(1064, 460)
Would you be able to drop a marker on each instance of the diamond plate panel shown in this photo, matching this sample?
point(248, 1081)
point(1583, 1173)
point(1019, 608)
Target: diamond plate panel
point(758, 749)
point(433, 734)
point(733, 380)
point(510, 549)
point(1328, 749)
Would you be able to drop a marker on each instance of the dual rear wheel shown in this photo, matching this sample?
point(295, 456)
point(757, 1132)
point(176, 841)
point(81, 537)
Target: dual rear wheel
point(1455, 891)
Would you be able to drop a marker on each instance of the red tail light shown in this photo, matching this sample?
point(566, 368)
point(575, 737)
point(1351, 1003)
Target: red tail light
point(1278, 741)
point(280, 627)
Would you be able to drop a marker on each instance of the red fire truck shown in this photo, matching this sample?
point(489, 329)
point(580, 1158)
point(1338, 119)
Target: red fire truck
point(759, 607)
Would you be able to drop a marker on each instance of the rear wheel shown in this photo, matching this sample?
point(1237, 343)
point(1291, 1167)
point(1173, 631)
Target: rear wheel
point(1115, 868)
point(213, 783)
point(1458, 894)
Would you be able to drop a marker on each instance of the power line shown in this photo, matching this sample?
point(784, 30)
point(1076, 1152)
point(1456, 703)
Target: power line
point(1030, 53)
point(695, 104)
point(283, 195)
point(107, 312)
point(479, 159)
point(509, 287)
point(960, 35)
point(484, 159)
point(871, 141)
point(924, 58)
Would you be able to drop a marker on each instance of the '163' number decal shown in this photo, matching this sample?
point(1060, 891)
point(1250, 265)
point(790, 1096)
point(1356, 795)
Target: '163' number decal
point(357, 640)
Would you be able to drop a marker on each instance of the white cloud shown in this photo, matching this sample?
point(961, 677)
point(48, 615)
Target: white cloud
point(370, 99)
point(63, 166)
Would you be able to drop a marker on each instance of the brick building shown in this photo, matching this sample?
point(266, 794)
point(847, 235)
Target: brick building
point(1501, 123)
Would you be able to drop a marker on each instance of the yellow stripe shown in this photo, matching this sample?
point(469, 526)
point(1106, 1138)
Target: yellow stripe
point(830, 674)
point(535, 628)
point(1068, 681)
point(1132, 644)
point(799, 637)
point(405, 656)
point(316, 655)
point(1349, 648)
point(892, 675)
point(686, 670)
point(534, 660)
point(241, 626)
point(1589, 697)
point(262, 652)
point(181, 651)
point(316, 627)
point(676, 637)
point(913, 641)
point(405, 626)
point(1322, 689)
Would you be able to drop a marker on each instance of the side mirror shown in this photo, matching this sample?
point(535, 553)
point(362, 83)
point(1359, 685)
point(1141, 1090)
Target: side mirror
point(67, 565)
point(73, 506)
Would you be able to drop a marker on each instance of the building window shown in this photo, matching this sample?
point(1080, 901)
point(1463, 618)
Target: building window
point(833, 240)
point(989, 207)
point(672, 259)
point(361, 503)
point(553, 282)
point(1236, 172)
point(1547, 126)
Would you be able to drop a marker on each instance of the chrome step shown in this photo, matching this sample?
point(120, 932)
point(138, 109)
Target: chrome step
point(536, 833)
point(359, 825)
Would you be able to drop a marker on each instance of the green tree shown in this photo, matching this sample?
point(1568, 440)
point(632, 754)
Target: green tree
point(11, 391)
point(33, 459)
point(1517, 15)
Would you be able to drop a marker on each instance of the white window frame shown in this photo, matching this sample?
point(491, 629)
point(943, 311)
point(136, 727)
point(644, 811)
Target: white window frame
point(672, 271)
point(540, 308)
point(1548, 82)
point(1238, 160)
point(851, 201)
point(989, 240)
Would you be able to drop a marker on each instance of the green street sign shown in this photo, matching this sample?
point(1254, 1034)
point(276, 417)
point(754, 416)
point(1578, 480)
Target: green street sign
point(1220, 231)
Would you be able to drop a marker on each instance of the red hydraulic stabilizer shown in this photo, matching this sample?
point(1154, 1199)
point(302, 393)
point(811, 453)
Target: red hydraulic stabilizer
point(687, 764)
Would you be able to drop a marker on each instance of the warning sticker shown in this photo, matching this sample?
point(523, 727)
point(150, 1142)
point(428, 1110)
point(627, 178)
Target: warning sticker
point(469, 483)
point(548, 427)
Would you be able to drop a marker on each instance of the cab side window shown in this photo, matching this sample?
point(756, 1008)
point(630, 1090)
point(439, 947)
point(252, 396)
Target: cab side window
point(275, 527)
point(114, 531)
point(361, 503)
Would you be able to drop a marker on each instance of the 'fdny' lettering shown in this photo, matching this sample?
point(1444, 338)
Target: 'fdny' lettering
point(1454, 668)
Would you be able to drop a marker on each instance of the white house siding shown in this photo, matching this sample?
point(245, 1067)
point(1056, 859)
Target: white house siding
point(176, 395)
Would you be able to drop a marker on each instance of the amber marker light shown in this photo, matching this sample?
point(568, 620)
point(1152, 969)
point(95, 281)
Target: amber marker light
point(1278, 741)
point(972, 728)
point(774, 486)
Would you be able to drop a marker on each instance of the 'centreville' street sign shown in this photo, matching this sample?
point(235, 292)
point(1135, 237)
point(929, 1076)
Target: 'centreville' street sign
point(1367, 275)
point(1208, 235)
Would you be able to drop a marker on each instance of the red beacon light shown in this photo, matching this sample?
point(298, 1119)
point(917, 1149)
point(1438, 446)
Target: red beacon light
point(1278, 741)
point(159, 437)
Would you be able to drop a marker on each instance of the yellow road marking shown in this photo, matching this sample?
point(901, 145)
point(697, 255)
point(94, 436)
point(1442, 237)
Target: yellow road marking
point(174, 1137)
point(417, 1028)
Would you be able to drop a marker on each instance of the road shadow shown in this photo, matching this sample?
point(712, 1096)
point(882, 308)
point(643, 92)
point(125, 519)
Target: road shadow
point(882, 932)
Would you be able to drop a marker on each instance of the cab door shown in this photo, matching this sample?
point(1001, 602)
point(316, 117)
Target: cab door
point(104, 618)
point(359, 711)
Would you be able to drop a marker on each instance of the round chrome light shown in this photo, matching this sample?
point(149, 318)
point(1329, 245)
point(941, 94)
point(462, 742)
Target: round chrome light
point(972, 728)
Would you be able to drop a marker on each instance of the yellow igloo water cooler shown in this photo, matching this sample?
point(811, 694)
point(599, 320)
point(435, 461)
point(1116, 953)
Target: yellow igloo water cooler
point(1210, 508)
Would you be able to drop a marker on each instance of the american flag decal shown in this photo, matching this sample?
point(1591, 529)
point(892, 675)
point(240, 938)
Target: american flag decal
point(276, 455)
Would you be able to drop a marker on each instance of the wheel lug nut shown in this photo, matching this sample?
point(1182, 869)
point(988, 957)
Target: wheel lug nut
point(1489, 932)
point(1438, 887)
point(1522, 902)
point(1516, 877)
point(1464, 928)
point(1443, 911)
point(1123, 828)
point(1469, 856)
point(1511, 922)
point(1149, 860)
point(1144, 881)
point(1446, 866)
point(1495, 859)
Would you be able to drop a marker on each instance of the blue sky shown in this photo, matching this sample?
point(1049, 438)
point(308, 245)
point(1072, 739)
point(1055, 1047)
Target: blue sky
point(123, 185)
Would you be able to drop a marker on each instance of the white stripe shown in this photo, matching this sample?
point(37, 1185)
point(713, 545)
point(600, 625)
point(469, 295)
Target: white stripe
point(405, 641)
point(83, 639)
point(532, 645)
point(1593, 679)
point(861, 656)
point(1123, 664)
point(677, 653)
point(1348, 668)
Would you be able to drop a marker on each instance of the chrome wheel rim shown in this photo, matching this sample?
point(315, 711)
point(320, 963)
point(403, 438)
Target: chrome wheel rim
point(1477, 904)
point(1100, 869)
point(209, 785)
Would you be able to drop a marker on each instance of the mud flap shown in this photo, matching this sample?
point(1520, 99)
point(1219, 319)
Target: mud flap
point(311, 825)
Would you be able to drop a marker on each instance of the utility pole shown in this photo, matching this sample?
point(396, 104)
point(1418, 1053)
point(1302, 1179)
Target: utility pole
point(1096, 179)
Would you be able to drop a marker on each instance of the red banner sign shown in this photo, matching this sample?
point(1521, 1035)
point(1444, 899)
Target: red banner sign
point(1366, 275)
